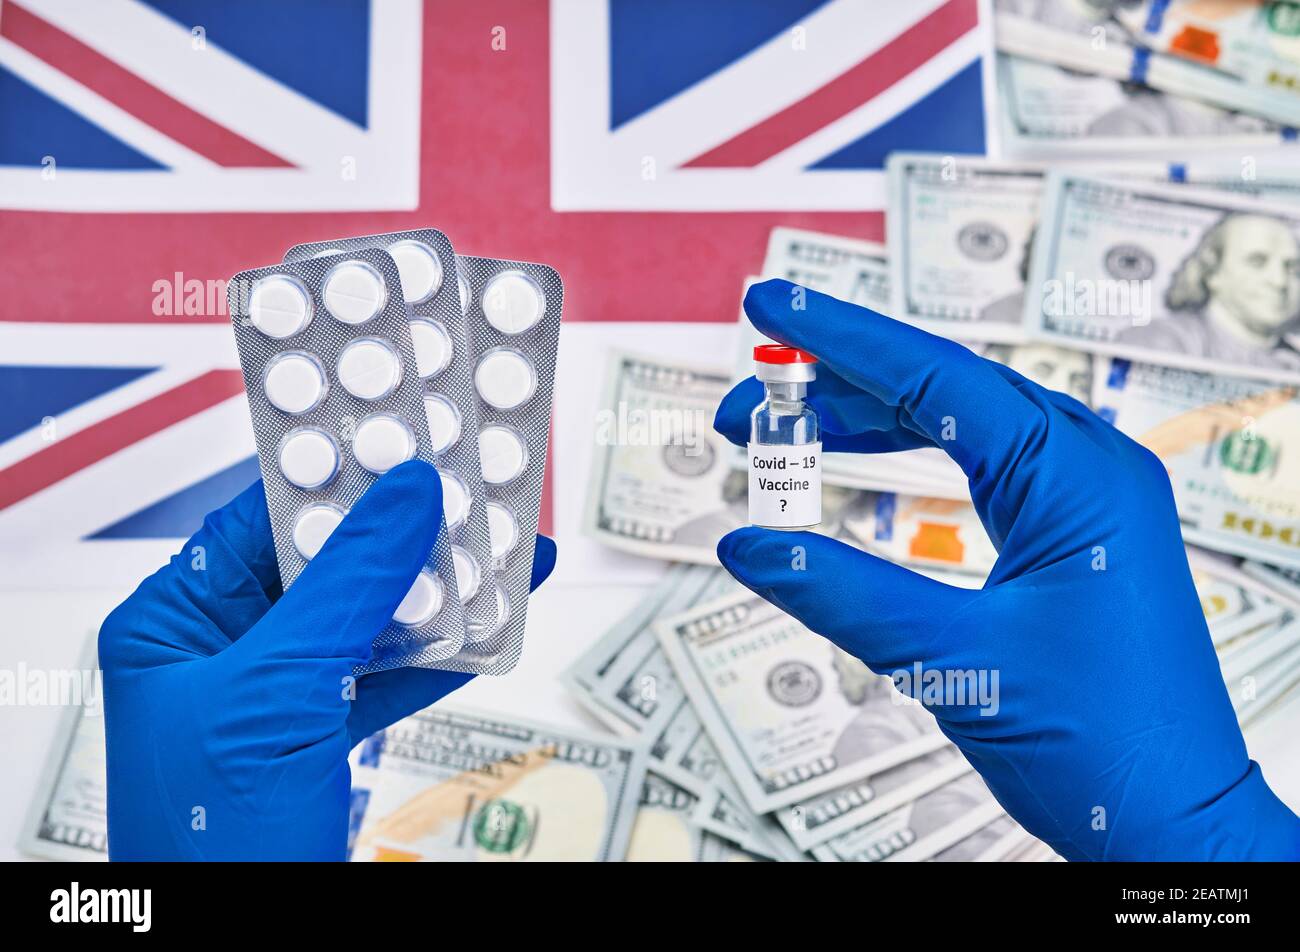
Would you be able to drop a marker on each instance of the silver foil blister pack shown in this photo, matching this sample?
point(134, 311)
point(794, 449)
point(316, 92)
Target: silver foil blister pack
point(513, 309)
point(426, 264)
point(329, 368)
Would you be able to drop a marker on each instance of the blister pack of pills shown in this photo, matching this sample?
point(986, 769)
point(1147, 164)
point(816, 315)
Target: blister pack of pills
point(427, 266)
point(513, 309)
point(329, 368)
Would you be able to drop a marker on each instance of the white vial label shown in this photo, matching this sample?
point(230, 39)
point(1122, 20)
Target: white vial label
point(444, 422)
point(369, 368)
point(455, 499)
point(512, 302)
point(294, 382)
point(501, 453)
point(785, 485)
point(467, 573)
point(381, 441)
point(503, 529)
point(422, 602)
point(419, 268)
point(354, 292)
point(313, 526)
point(279, 306)
point(432, 347)
point(505, 378)
point(308, 458)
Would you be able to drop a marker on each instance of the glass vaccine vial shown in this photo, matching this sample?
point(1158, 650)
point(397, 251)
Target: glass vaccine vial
point(785, 449)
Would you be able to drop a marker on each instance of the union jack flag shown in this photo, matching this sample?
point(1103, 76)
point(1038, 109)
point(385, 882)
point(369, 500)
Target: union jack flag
point(151, 148)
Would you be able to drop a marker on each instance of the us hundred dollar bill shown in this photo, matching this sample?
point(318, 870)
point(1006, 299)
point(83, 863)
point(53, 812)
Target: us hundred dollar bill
point(919, 829)
point(666, 832)
point(959, 236)
point(591, 672)
point(1228, 444)
point(1047, 111)
point(974, 845)
point(922, 532)
point(840, 812)
point(636, 682)
point(68, 816)
point(663, 831)
point(792, 716)
point(662, 482)
point(1176, 275)
point(818, 260)
point(853, 269)
point(627, 678)
point(448, 784)
point(684, 754)
point(1256, 41)
point(1090, 38)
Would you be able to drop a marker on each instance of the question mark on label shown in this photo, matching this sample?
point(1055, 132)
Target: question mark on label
point(783, 505)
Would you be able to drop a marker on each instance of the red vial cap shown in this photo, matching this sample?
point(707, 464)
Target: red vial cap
point(781, 354)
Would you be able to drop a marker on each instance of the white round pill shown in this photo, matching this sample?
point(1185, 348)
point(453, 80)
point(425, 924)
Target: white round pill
point(309, 457)
point(369, 368)
point(503, 528)
point(419, 268)
point(422, 602)
point(444, 422)
point(432, 347)
point(502, 453)
point(455, 499)
point(294, 381)
point(468, 575)
point(354, 292)
point(505, 378)
point(279, 306)
point(381, 441)
point(512, 302)
point(313, 526)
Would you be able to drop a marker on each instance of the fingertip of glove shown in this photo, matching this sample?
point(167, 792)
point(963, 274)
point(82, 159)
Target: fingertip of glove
point(763, 296)
point(737, 548)
point(416, 477)
point(404, 503)
point(732, 417)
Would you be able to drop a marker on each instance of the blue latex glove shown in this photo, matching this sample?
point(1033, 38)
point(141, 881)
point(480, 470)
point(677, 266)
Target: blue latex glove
point(226, 703)
point(1114, 738)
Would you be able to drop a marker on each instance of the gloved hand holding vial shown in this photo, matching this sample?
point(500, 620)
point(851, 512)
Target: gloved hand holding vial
point(1114, 736)
point(785, 450)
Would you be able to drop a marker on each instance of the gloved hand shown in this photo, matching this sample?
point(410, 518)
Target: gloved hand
point(1113, 737)
point(227, 704)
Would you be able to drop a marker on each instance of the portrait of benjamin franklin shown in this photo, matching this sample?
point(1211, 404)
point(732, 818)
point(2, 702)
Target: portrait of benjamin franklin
point(1235, 297)
point(1056, 368)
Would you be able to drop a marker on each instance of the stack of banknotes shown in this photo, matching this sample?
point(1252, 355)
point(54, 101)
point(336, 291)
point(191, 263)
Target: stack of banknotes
point(1135, 75)
point(733, 734)
point(1138, 248)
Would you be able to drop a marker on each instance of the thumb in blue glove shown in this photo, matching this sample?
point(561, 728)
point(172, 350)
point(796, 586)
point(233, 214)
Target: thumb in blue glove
point(1112, 736)
point(229, 709)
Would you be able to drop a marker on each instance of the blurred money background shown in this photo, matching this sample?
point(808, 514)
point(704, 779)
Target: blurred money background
point(1137, 247)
